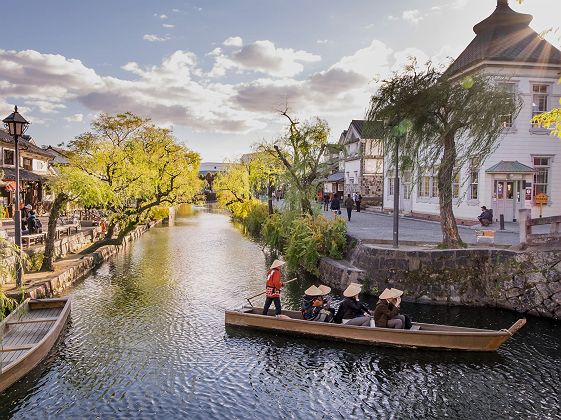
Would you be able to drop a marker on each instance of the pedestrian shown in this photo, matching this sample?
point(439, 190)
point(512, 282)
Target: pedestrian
point(358, 201)
point(349, 202)
point(336, 205)
point(326, 202)
point(273, 287)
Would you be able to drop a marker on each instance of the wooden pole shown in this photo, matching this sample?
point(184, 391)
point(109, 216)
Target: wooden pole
point(262, 293)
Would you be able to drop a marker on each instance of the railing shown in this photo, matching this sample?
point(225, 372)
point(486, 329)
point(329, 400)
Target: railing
point(526, 224)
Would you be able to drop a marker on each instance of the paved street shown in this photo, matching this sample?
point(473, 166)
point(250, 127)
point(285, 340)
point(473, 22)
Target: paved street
point(370, 225)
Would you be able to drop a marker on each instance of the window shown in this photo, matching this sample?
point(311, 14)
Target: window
point(434, 185)
point(506, 120)
point(474, 164)
point(539, 101)
point(541, 176)
point(407, 185)
point(391, 185)
point(27, 164)
point(456, 186)
point(424, 186)
point(9, 158)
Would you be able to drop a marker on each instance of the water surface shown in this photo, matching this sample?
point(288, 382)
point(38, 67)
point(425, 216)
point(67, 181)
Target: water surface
point(147, 339)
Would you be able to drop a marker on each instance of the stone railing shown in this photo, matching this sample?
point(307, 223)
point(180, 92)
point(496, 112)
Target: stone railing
point(526, 224)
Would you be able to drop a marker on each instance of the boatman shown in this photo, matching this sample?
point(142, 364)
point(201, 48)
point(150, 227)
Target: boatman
point(273, 287)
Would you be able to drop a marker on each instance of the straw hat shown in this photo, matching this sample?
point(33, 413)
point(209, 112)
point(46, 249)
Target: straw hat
point(28, 206)
point(390, 293)
point(277, 263)
point(352, 289)
point(313, 291)
point(325, 290)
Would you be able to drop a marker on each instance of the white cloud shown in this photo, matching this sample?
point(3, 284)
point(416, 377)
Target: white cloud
point(175, 10)
point(233, 41)
point(168, 25)
point(392, 18)
point(412, 16)
point(75, 118)
point(322, 41)
point(163, 16)
point(264, 57)
point(178, 92)
point(156, 38)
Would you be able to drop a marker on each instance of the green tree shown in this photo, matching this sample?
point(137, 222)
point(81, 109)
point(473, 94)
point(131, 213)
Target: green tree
point(140, 166)
point(300, 151)
point(442, 122)
point(550, 119)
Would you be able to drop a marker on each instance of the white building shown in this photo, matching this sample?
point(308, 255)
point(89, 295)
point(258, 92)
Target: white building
point(361, 161)
point(527, 160)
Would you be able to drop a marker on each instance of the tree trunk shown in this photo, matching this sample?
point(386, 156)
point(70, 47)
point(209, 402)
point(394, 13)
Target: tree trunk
point(450, 235)
point(110, 231)
point(270, 197)
point(125, 231)
point(48, 259)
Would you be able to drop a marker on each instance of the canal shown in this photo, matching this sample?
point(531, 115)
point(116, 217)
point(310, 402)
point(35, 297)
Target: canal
point(147, 339)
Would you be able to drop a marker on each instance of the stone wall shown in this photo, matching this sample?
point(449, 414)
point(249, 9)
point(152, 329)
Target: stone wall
point(55, 283)
point(528, 282)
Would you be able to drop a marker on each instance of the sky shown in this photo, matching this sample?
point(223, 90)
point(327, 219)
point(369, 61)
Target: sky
point(218, 72)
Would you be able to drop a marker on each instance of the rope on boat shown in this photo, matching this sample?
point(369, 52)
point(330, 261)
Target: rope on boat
point(507, 331)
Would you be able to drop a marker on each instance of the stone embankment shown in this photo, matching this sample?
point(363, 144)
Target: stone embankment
point(526, 282)
point(50, 284)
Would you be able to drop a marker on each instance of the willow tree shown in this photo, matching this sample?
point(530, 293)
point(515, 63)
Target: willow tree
point(301, 151)
point(448, 120)
point(141, 167)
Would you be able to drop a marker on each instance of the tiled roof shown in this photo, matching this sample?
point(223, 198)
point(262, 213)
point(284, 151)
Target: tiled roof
point(366, 130)
point(509, 167)
point(24, 175)
point(25, 144)
point(506, 36)
point(336, 177)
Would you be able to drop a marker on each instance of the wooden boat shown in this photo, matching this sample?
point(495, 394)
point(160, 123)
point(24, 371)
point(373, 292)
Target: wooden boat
point(426, 336)
point(27, 335)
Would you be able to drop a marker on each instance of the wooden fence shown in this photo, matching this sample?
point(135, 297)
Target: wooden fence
point(530, 238)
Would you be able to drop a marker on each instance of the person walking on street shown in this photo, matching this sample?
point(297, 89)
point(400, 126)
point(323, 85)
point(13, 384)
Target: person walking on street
point(325, 202)
point(273, 287)
point(358, 201)
point(335, 205)
point(349, 202)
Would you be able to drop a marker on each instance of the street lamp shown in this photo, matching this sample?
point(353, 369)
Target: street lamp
point(16, 126)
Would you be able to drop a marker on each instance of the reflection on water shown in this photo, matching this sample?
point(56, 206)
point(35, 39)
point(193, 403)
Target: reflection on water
point(147, 338)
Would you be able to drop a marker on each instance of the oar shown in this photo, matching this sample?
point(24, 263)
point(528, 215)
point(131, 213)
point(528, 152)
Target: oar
point(262, 293)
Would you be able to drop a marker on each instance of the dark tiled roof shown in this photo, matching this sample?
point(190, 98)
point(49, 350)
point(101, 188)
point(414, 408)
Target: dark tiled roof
point(58, 155)
point(368, 129)
point(336, 177)
point(509, 167)
point(25, 144)
point(506, 36)
point(24, 175)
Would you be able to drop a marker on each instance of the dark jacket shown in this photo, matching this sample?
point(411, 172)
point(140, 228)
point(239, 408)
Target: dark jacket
point(348, 309)
point(383, 312)
point(335, 204)
point(486, 215)
point(349, 203)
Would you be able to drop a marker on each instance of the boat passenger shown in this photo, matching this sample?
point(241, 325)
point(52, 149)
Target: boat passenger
point(386, 313)
point(325, 291)
point(312, 303)
point(273, 287)
point(351, 311)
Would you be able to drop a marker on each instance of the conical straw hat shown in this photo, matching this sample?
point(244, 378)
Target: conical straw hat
point(325, 290)
point(277, 263)
point(352, 289)
point(313, 291)
point(386, 294)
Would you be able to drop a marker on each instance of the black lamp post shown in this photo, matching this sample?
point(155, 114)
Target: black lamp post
point(16, 126)
point(395, 130)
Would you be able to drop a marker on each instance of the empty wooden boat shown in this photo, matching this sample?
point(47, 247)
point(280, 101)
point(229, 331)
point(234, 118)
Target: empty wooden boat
point(427, 336)
point(27, 335)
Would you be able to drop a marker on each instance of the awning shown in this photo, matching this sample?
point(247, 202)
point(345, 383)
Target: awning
point(10, 186)
point(336, 177)
point(510, 167)
point(24, 175)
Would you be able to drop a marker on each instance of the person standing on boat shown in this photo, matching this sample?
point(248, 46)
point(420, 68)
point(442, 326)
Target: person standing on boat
point(386, 313)
point(273, 287)
point(351, 311)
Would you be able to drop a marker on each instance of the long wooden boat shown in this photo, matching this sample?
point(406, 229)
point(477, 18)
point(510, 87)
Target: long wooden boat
point(426, 336)
point(28, 334)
